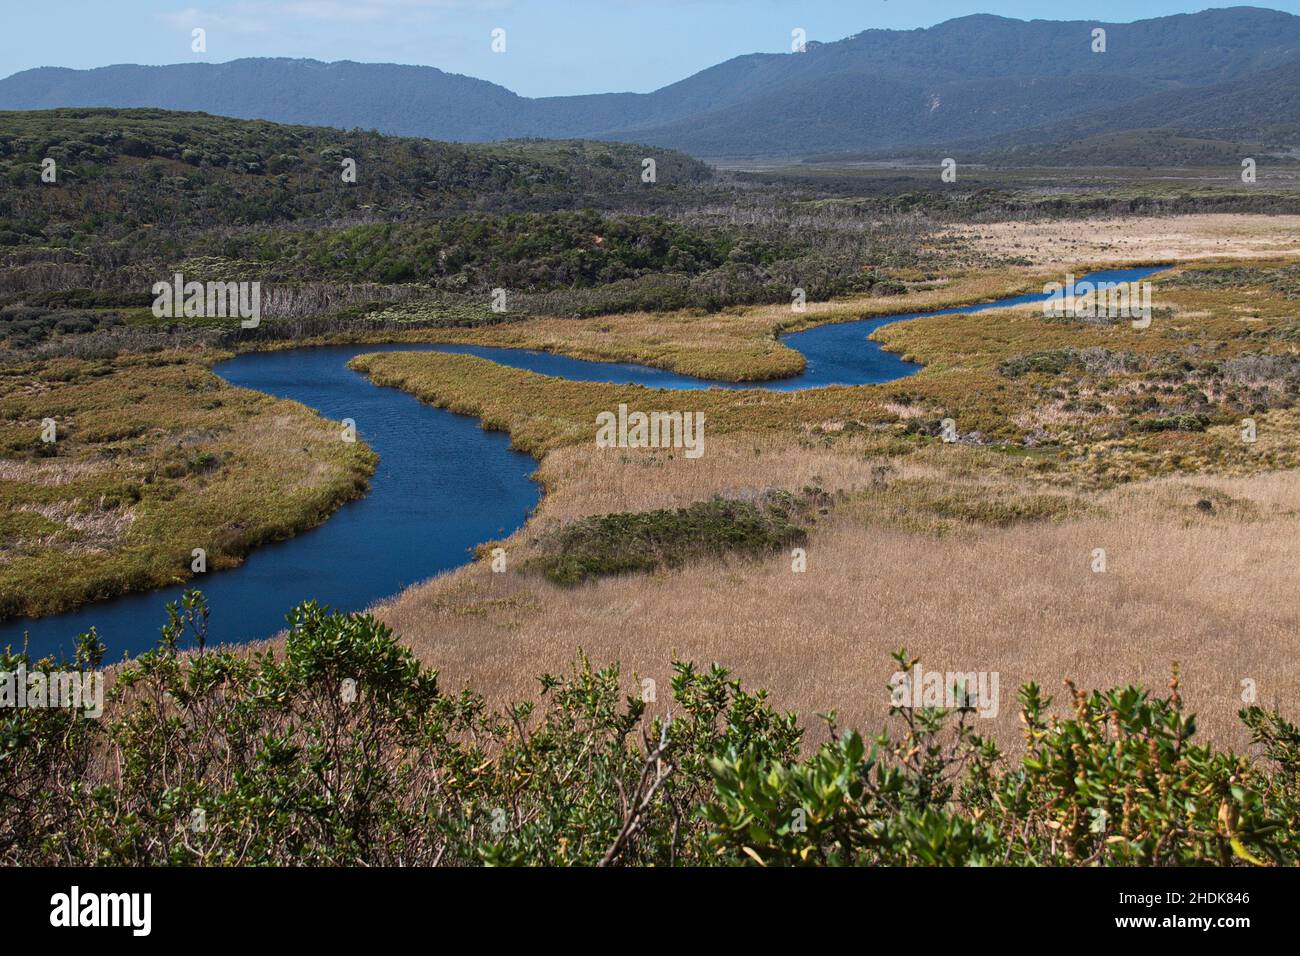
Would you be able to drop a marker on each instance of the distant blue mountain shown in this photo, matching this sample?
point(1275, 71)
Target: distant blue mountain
point(974, 78)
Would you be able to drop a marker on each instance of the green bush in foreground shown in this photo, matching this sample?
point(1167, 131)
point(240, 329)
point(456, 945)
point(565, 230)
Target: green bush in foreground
point(342, 749)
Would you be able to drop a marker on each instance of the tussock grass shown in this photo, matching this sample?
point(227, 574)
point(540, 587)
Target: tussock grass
point(155, 456)
point(1211, 590)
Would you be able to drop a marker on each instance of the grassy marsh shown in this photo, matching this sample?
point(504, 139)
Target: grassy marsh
point(1199, 357)
point(155, 456)
point(980, 550)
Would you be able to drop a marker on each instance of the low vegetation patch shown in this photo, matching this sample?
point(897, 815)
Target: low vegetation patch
point(1284, 279)
point(1173, 423)
point(644, 541)
point(25, 326)
point(1056, 361)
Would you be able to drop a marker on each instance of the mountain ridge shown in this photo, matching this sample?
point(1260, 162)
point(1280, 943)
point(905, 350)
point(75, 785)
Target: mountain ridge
point(979, 77)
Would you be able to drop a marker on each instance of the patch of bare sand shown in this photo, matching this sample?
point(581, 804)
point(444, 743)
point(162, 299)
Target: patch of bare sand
point(1135, 239)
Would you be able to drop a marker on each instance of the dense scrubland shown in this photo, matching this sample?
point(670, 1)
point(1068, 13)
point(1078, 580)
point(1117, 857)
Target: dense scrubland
point(144, 193)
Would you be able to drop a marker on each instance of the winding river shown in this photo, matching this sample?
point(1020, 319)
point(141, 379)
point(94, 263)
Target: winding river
point(443, 484)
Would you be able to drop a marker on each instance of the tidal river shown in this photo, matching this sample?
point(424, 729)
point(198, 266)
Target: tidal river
point(443, 484)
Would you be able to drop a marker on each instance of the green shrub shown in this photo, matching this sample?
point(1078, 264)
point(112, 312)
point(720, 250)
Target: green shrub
point(1118, 783)
point(22, 326)
point(1052, 362)
point(341, 749)
point(1173, 423)
point(643, 541)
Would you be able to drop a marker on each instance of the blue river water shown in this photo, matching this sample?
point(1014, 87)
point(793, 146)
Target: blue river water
point(443, 484)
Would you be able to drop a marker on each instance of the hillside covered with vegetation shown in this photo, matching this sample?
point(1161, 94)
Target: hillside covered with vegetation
point(435, 227)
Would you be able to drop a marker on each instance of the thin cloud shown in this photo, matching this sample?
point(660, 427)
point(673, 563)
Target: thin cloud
point(370, 10)
point(263, 16)
point(233, 18)
point(331, 10)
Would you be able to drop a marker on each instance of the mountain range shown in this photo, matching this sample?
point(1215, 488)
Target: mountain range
point(995, 82)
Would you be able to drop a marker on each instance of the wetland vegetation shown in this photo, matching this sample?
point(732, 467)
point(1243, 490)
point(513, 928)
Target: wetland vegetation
point(1067, 436)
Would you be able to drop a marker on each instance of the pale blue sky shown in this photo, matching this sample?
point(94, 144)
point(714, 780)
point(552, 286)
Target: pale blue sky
point(552, 46)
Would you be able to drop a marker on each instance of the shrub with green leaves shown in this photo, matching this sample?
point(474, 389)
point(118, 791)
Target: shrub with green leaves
point(1173, 423)
point(629, 541)
point(24, 326)
point(1121, 782)
point(339, 748)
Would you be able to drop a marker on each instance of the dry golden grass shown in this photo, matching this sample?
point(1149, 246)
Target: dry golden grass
point(740, 343)
point(974, 559)
point(1137, 239)
point(737, 344)
point(1212, 591)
